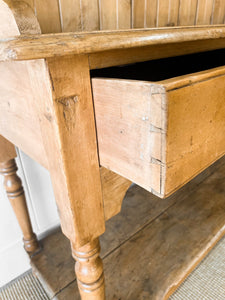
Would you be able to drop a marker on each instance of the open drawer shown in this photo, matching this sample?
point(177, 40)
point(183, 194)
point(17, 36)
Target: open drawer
point(160, 123)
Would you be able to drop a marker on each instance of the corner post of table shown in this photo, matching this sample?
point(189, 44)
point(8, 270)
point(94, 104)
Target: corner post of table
point(16, 196)
point(69, 136)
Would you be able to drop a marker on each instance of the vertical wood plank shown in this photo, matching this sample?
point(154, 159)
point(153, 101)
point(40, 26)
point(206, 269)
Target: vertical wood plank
point(218, 12)
point(168, 13)
point(151, 13)
point(123, 14)
point(108, 14)
point(204, 12)
point(173, 12)
point(163, 9)
point(48, 16)
point(138, 13)
point(187, 12)
point(90, 15)
point(71, 15)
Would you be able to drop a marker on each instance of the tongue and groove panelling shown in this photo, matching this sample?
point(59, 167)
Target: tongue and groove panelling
point(87, 15)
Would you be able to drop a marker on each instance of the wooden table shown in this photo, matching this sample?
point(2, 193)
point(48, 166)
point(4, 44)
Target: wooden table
point(96, 135)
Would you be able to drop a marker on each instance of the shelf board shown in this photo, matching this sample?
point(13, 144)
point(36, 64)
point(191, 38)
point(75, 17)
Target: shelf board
point(151, 246)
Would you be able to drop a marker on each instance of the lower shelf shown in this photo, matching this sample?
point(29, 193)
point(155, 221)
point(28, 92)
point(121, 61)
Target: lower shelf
point(150, 247)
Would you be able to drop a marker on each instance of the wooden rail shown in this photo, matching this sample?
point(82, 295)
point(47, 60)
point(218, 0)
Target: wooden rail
point(49, 45)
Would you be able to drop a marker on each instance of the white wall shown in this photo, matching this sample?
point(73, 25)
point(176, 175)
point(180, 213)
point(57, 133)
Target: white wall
point(41, 204)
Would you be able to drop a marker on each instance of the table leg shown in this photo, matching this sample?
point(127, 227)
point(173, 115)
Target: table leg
point(89, 271)
point(16, 196)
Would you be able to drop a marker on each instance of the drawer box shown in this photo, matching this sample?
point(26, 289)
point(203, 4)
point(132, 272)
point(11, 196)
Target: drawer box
point(160, 133)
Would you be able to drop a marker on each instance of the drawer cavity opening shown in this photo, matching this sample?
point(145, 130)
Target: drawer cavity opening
point(162, 69)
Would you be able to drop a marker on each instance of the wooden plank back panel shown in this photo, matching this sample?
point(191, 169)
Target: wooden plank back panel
point(167, 13)
point(204, 12)
point(48, 15)
point(83, 15)
point(108, 14)
point(79, 15)
point(151, 13)
point(187, 12)
point(71, 15)
point(218, 12)
point(124, 14)
point(90, 15)
point(138, 13)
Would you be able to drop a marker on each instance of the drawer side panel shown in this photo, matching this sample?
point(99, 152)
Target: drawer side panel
point(195, 136)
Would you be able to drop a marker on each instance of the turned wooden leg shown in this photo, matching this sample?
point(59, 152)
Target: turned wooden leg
point(15, 193)
point(89, 271)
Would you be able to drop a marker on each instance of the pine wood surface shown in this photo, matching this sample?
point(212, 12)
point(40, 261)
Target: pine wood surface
point(157, 142)
point(134, 229)
point(58, 96)
point(22, 47)
point(73, 15)
point(7, 150)
point(15, 90)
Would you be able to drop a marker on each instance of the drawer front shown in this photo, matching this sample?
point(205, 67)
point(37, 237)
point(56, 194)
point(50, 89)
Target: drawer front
point(160, 135)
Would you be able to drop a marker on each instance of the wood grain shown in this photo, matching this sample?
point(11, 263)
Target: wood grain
point(16, 196)
point(218, 12)
point(71, 15)
point(130, 223)
point(16, 94)
point(90, 15)
point(108, 14)
point(158, 138)
point(185, 156)
point(81, 15)
point(151, 13)
point(187, 12)
point(204, 12)
point(7, 150)
point(114, 188)
point(73, 110)
point(124, 14)
point(48, 16)
point(171, 246)
point(138, 15)
point(22, 48)
point(89, 271)
point(133, 147)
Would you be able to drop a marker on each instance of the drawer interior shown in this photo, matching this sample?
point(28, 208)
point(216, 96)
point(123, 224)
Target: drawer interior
point(162, 69)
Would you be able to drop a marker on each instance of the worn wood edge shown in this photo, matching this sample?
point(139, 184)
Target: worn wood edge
point(50, 45)
point(192, 78)
point(196, 262)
